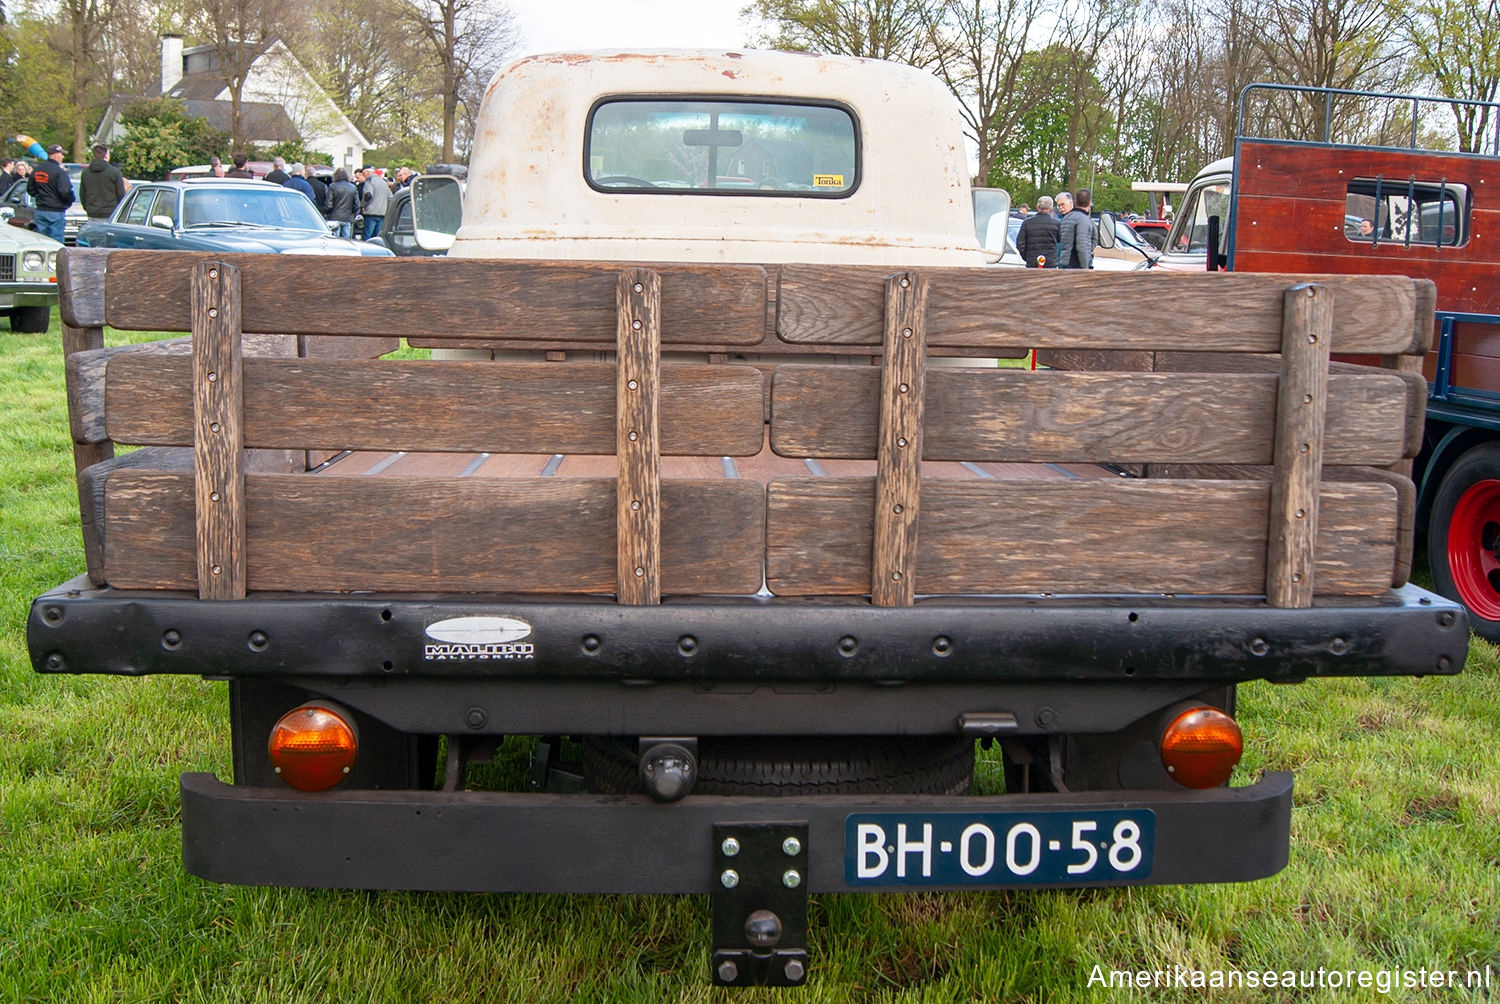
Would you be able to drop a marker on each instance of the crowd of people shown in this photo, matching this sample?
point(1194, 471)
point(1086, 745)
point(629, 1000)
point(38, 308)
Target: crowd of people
point(1060, 234)
point(367, 194)
point(341, 199)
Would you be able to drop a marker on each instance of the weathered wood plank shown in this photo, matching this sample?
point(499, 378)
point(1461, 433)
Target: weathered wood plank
point(1237, 312)
point(1074, 536)
point(219, 444)
point(1408, 368)
point(898, 472)
point(1301, 401)
point(638, 437)
point(523, 535)
point(80, 286)
point(500, 300)
point(447, 406)
point(78, 343)
point(1009, 415)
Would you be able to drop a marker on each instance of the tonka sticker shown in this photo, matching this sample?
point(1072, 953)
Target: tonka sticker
point(828, 181)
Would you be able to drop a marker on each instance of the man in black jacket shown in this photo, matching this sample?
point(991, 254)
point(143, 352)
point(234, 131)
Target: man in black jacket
point(102, 186)
point(52, 189)
point(1037, 239)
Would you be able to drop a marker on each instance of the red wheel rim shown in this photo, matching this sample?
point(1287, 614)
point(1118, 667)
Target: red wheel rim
point(1472, 536)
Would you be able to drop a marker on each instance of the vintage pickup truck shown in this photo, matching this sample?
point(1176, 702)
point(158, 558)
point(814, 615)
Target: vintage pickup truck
point(738, 507)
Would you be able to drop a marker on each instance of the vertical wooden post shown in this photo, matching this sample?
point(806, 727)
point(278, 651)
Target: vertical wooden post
point(898, 472)
point(218, 438)
point(1301, 402)
point(82, 340)
point(637, 441)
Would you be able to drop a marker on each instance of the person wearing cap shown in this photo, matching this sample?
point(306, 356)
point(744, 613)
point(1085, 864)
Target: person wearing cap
point(102, 186)
point(52, 190)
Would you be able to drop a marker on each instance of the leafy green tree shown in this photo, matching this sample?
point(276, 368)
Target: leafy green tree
point(898, 30)
point(33, 85)
point(1457, 45)
point(160, 135)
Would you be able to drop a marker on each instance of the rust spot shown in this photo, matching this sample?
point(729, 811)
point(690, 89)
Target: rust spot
point(730, 74)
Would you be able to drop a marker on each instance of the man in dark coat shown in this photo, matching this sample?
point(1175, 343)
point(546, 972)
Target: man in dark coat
point(102, 186)
point(52, 189)
point(343, 197)
point(1037, 239)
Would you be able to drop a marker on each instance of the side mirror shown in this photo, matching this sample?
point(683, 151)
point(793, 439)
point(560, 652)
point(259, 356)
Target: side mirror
point(991, 218)
point(161, 222)
point(437, 210)
point(1104, 230)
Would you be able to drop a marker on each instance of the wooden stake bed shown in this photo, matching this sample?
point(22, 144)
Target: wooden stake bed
point(652, 477)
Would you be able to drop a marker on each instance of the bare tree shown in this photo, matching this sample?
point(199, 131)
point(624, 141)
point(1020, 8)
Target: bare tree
point(468, 39)
point(240, 31)
point(979, 45)
point(364, 55)
point(80, 40)
point(1457, 46)
point(897, 30)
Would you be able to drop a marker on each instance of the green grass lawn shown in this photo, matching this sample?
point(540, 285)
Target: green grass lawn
point(1395, 848)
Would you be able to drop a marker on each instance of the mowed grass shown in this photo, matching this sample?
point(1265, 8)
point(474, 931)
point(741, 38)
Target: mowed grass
point(1395, 848)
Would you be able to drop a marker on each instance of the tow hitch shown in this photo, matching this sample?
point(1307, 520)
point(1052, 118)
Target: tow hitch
point(760, 904)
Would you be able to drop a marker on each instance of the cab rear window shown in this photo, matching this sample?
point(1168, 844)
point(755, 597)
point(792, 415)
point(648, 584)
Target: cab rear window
point(711, 146)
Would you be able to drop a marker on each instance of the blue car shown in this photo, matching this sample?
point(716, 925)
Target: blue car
point(220, 214)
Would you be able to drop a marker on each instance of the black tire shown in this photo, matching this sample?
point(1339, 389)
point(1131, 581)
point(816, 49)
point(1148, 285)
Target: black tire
point(30, 320)
point(799, 765)
point(1463, 534)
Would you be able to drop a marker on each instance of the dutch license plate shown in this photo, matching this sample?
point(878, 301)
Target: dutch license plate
point(997, 848)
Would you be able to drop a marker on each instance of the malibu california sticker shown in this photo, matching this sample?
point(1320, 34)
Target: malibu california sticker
point(479, 638)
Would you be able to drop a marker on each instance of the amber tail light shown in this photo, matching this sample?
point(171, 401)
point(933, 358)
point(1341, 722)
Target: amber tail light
point(313, 747)
point(1200, 747)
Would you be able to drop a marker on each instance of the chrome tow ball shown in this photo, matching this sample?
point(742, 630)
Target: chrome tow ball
point(668, 771)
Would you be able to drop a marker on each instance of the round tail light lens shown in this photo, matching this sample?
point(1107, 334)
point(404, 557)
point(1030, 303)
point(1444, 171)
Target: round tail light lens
point(313, 747)
point(1200, 747)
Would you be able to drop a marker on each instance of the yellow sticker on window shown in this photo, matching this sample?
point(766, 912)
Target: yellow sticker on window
point(828, 181)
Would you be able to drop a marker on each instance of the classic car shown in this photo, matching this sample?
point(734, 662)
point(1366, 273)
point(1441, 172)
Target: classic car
point(19, 209)
point(220, 214)
point(28, 278)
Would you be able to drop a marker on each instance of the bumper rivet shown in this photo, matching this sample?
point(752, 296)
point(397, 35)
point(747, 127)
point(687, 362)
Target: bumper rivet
point(728, 971)
point(730, 878)
point(794, 970)
point(730, 847)
point(791, 847)
point(791, 878)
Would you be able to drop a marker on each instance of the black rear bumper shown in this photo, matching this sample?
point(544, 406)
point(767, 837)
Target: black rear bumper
point(482, 842)
point(1408, 631)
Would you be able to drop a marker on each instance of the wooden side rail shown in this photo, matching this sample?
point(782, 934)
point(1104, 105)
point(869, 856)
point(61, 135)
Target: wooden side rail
point(1313, 509)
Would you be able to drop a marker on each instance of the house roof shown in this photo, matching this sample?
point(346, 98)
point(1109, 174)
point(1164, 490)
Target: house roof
point(261, 121)
point(197, 87)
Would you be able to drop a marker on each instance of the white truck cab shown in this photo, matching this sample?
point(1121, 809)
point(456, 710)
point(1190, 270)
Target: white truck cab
point(728, 156)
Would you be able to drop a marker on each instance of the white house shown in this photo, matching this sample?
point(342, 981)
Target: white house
point(281, 101)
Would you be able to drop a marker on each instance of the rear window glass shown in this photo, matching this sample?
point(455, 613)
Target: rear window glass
point(718, 147)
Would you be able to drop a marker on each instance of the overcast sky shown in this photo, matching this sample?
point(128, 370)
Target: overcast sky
point(553, 25)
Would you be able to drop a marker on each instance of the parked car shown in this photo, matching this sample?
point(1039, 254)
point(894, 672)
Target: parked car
point(1118, 248)
point(28, 278)
point(19, 209)
point(220, 214)
point(1153, 232)
point(257, 168)
point(400, 232)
